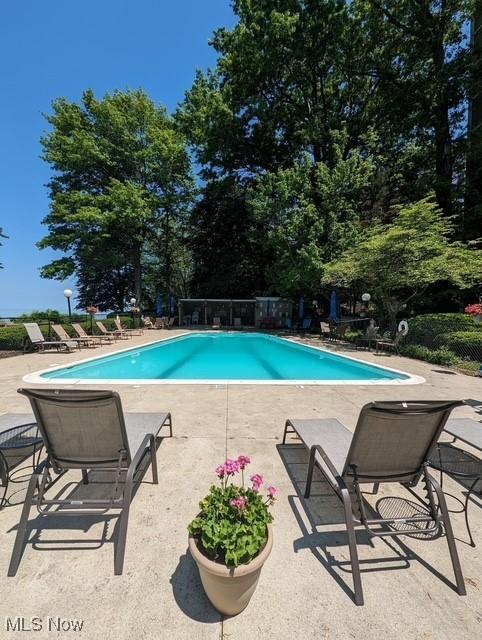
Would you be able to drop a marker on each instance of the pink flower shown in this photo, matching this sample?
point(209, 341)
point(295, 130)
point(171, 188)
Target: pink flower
point(257, 481)
point(229, 468)
point(232, 467)
point(221, 471)
point(243, 462)
point(272, 491)
point(238, 503)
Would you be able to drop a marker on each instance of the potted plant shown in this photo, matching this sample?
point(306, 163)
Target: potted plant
point(231, 538)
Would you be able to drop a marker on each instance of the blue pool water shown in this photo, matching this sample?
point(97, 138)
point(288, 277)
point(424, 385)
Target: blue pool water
point(225, 356)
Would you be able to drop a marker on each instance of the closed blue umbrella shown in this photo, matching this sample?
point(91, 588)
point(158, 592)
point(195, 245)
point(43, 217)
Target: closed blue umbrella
point(159, 306)
point(301, 308)
point(172, 306)
point(333, 306)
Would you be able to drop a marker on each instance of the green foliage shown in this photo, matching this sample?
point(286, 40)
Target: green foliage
point(443, 357)
point(49, 314)
point(231, 527)
point(465, 343)
point(429, 329)
point(121, 181)
point(398, 261)
point(228, 244)
point(226, 534)
point(12, 337)
point(312, 214)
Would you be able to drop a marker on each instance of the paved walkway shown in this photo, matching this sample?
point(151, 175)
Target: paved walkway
point(305, 587)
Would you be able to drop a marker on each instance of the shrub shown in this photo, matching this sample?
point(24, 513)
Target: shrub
point(12, 337)
point(352, 336)
point(443, 357)
point(464, 343)
point(428, 329)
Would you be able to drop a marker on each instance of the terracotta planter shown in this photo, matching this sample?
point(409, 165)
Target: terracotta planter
point(230, 588)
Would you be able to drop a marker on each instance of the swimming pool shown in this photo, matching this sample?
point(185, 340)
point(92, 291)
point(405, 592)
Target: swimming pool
point(212, 357)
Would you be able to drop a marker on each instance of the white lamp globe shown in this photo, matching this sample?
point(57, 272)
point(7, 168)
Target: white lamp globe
point(68, 293)
point(133, 301)
point(366, 297)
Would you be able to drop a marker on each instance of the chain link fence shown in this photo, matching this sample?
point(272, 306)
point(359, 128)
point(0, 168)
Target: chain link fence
point(450, 339)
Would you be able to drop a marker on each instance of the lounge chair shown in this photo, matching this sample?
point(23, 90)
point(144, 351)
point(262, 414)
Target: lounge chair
point(324, 330)
point(237, 323)
point(80, 331)
point(63, 335)
point(170, 323)
point(160, 323)
point(305, 325)
point(148, 324)
point(390, 444)
point(216, 322)
point(195, 317)
point(88, 430)
point(38, 340)
point(129, 332)
point(115, 334)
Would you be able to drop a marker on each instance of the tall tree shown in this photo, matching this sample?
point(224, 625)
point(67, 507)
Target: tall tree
point(473, 199)
point(121, 174)
point(228, 243)
point(419, 51)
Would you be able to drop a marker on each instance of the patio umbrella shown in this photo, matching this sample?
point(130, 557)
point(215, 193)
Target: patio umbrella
point(172, 306)
point(333, 306)
point(301, 308)
point(159, 306)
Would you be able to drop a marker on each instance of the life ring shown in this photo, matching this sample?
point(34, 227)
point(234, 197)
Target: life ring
point(403, 327)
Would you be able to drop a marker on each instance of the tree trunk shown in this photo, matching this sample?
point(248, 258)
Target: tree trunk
point(443, 140)
point(137, 272)
point(473, 196)
point(167, 258)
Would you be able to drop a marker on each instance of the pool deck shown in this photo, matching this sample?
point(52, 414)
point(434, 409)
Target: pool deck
point(305, 587)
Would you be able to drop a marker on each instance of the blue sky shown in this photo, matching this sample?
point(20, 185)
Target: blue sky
point(59, 48)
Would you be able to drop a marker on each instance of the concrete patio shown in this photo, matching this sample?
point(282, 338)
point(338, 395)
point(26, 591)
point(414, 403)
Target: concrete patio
point(305, 588)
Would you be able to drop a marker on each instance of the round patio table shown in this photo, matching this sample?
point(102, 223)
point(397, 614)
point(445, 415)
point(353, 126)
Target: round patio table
point(460, 464)
point(16, 445)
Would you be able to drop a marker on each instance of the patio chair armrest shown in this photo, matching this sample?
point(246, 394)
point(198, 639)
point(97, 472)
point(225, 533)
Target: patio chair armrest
point(149, 438)
point(317, 448)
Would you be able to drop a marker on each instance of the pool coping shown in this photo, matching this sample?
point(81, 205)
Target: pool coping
point(36, 376)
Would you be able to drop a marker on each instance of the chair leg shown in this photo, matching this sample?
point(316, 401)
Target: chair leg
point(152, 448)
point(309, 475)
point(22, 525)
point(170, 424)
point(285, 432)
point(121, 538)
point(3, 500)
point(454, 556)
point(355, 564)
point(85, 477)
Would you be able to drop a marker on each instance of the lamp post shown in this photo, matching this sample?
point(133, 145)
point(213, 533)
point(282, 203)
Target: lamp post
point(366, 297)
point(68, 294)
point(133, 304)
